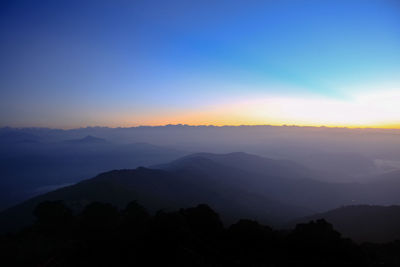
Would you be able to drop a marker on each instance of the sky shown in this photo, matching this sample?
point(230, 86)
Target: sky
point(68, 64)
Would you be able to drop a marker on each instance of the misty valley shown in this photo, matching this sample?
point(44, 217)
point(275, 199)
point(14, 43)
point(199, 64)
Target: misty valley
point(266, 194)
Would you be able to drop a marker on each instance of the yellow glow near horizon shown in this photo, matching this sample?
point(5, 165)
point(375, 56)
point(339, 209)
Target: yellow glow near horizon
point(377, 109)
point(372, 109)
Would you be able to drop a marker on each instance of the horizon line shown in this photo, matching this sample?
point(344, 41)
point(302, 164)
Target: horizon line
point(208, 125)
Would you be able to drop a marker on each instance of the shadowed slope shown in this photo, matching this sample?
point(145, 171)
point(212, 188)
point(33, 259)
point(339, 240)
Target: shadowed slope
point(363, 222)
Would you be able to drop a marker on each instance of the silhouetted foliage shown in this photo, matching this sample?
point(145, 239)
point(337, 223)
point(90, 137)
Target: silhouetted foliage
point(317, 240)
point(202, 220)
point(134, 213)
point(102, 235)
point(53, 217)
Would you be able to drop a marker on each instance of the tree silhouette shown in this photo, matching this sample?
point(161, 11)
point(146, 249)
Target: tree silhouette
point(53, 217)
point(102, 235)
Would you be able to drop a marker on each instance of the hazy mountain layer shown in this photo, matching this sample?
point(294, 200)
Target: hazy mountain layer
point(236, 184)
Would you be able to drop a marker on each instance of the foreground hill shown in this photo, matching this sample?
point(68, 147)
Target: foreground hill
point(364, 222)
point(102, 235)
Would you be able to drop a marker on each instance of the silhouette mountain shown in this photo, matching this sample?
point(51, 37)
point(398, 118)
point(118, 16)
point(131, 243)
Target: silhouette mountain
point(185, 182)
point(237, 184)
point(363, 223)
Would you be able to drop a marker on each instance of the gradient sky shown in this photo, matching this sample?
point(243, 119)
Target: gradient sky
point(125, 63)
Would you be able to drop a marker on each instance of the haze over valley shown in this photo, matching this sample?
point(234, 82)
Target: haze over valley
point(199, 133)
point(275, 174)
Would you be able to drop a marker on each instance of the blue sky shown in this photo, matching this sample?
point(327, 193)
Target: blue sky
point(124, 63)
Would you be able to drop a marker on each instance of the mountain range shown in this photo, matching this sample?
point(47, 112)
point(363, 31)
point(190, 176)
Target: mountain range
point(237, 185)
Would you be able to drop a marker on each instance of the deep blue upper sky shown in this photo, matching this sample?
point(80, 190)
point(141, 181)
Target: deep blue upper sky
point(117, 63)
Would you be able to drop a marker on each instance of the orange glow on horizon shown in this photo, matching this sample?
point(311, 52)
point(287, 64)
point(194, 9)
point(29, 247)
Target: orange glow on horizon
point(368, 110)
